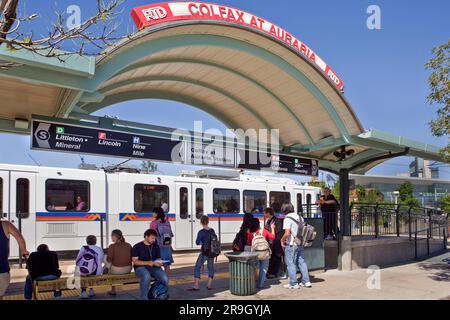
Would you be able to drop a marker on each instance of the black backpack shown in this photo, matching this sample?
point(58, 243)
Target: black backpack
point(211, 248)
point(240, 241)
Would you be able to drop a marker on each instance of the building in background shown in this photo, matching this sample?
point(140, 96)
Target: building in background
point(421, 168)
point(428, 191)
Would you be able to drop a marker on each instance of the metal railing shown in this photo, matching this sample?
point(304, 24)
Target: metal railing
point(376, 220)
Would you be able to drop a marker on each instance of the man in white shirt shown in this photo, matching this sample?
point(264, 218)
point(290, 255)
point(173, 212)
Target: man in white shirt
point(294, 254)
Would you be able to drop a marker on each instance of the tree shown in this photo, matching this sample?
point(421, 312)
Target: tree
point(336, 190)
point(319, 184)
point(439, 84)
point(406, 194)
point(445, 203)
point(149, 166)
point(94, 34)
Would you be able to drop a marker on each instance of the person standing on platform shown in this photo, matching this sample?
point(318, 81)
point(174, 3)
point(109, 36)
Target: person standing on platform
point(7, 229)
point(276, 225)
point(329, 208)
point(163, 229)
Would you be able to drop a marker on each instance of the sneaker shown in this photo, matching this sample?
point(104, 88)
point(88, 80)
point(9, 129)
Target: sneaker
point(329, 237)
point(84, 295)
point(91, 293)
point(283, 277)
point(288, 286)
point(306, 284)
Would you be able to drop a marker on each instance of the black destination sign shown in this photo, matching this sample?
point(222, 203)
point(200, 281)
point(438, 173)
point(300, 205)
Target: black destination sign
point(63, 137)
point(78, 139)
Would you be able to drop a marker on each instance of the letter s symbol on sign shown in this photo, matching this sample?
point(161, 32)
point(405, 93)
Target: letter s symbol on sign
point(42, 135)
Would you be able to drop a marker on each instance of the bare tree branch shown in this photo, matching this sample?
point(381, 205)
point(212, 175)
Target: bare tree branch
point(96, 33)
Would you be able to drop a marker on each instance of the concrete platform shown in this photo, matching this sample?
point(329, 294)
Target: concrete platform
point(425, 280)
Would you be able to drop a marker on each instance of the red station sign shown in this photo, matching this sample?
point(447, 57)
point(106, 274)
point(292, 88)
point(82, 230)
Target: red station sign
point(152, 14)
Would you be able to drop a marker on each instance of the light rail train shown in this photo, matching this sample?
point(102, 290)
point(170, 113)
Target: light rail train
point(60, 206)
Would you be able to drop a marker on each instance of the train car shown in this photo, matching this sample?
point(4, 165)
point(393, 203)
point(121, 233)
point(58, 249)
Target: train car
point(60, 207)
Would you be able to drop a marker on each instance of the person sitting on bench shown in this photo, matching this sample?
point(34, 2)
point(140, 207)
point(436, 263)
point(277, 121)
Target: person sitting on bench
point(147, 263)
point(42, 265)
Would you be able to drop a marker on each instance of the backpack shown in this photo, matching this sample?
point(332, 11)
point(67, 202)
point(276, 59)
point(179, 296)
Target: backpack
point(164, 234)
point(305, 233)
point(261, 246)
point(158, 291)
point(211, 248)
point(240, 241)
point(87, 262)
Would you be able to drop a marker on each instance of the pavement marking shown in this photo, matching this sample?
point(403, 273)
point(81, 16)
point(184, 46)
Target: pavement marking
point(104, 289)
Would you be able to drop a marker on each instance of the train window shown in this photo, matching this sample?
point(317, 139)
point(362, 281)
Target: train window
point(226, 201)
point(147, 197)
point(299, 203)
point(277, 199)
point(199, 211)
point(1, 196)
point(67, 195)
point(184, 214)
point(254, 200)
point(23, 198)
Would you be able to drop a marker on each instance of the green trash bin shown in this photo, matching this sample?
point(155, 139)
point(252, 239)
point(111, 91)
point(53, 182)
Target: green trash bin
point(242, 273)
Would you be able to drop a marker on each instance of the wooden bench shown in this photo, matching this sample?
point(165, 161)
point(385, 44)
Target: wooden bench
point(83, 282)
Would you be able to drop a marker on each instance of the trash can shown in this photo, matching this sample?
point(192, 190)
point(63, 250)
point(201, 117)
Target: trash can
point(242, 272)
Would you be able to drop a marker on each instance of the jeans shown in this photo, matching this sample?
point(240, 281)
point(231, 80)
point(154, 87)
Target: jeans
point(145, 276)
point(263, 266)
point(295, 257)
point(28, 289)
point(198, 266)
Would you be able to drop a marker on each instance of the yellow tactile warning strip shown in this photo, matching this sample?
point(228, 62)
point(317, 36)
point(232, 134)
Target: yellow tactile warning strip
point(104, 289)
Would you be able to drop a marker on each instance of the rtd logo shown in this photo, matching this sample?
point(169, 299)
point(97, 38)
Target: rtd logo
point(156, 13)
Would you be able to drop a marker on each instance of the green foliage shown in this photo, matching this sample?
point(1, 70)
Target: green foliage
point(369, 196)
point(149, 166)
point(374, 196)
point(360, 192)
point(406, 194)
point(439, 84)
point(336, 190)
point(319, 184)
point(445, 203)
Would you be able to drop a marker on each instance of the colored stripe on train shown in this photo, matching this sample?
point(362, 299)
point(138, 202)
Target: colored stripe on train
point(70, 216)
point(142, 216)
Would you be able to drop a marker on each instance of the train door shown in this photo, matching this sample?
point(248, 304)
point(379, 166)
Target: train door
point(22, 208)
point(183, 215)
point(198, 208)
point(189, 209)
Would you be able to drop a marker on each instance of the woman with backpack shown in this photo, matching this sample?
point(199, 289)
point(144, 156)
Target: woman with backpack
point(258, 239)
point(205, 238)
point(164, 237)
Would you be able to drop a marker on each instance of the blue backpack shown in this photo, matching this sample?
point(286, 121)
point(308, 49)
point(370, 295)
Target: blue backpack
point(158, 291)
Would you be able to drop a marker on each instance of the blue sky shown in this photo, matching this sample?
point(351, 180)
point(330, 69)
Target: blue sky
point(383, 70)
